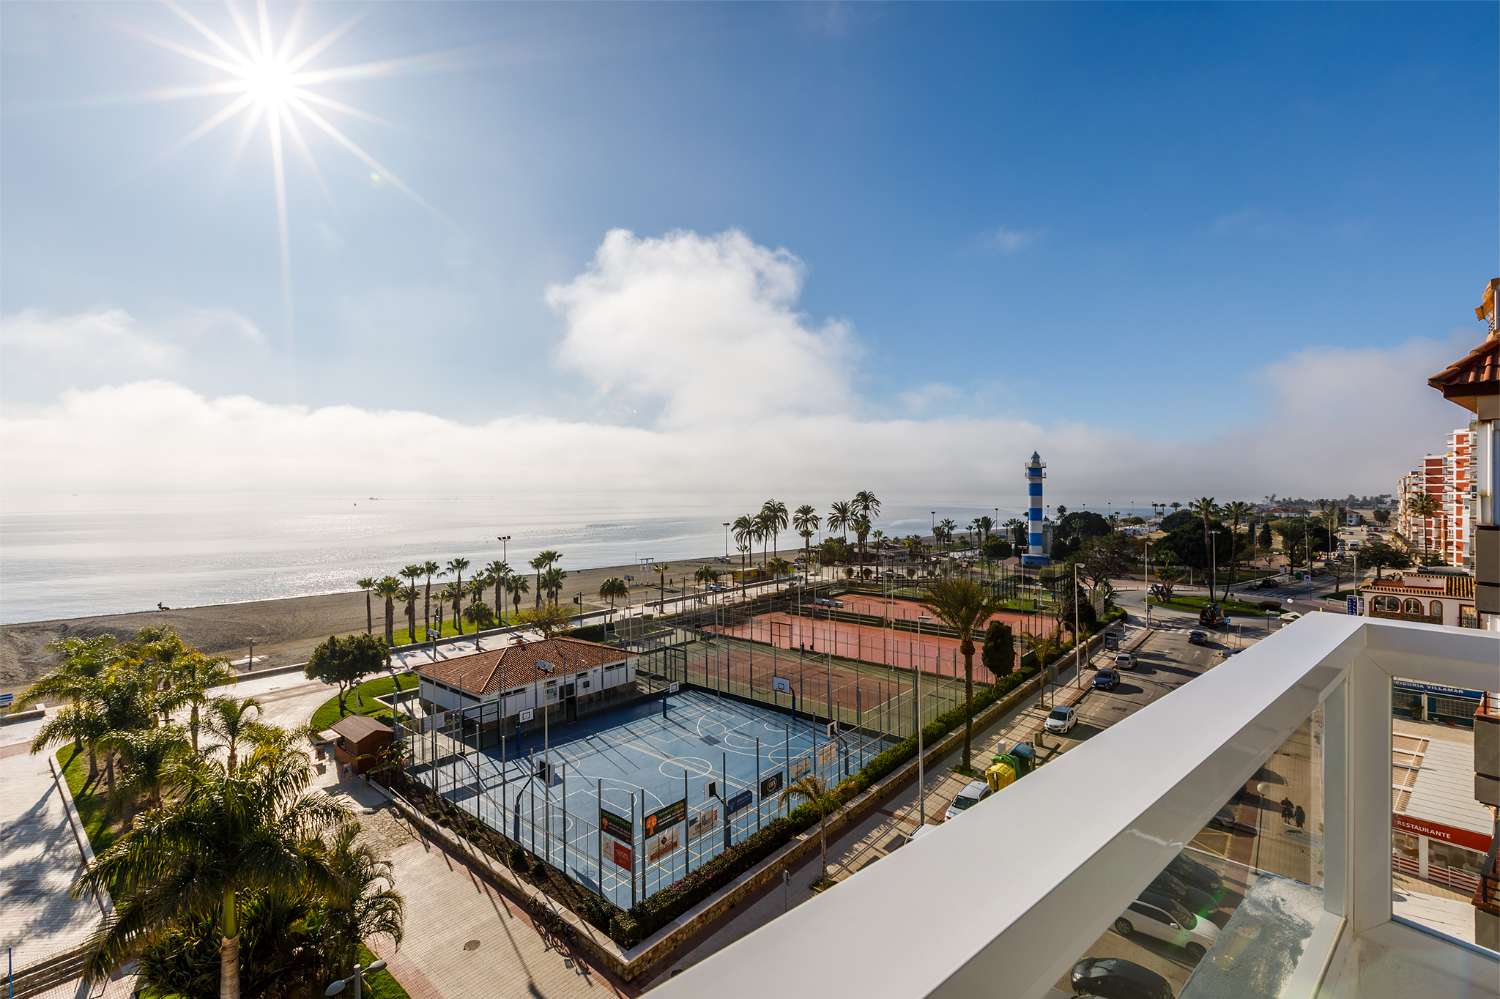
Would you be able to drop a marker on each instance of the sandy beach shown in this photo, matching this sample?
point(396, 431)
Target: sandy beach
point(286, 630)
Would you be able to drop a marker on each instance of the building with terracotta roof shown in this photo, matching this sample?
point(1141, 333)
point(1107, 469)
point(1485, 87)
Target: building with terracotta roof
point(569, 675)
point(1425, 597)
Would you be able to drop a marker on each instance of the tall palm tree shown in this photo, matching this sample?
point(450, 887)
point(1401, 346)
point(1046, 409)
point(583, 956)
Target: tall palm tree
point(388, 587)
point(453, 596)
point(1207, 510)
point(806, 523)
point(146, 757)
point(773, 518)
point(367, 583)
point(221, 836)
point(811, 789)
point(411, 574)
point(80, 722)
point(614, 588)
point(552, 583)
point(409, 596)
point(516, 586)
point(964, 606)
point(497, 571)
point(541, 563)
point(361, 901)
point(1237, 512)
point(233, 720)
point(865, 508)
point(779, 567)
point(77, 683)
point(660, 568)
point(197, 675)
point(840, 515)
point(745, 528)
point(457, 565)
point(429, 569)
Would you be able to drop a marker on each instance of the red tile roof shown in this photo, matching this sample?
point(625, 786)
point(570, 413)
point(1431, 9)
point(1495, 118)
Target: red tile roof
point(518, 665)
point(1476, 373)
point(1453, 586)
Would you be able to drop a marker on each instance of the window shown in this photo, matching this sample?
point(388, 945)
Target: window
point(1440, 854)
point(1412, 606)
point(1467, 616)
point(1435, 609)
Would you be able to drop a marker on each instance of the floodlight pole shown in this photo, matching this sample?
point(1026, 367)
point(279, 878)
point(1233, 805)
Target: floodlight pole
point(1077, 638)
point(916, 680)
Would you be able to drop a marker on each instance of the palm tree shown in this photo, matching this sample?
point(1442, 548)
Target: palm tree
point(146, 757)
point(612, 588)
point(866, 503)
point(361, 900)
point(1237, 512)
point(707, 575)
point(515, 586)
point(812, 789)
point(779, 567)
point(197, 674)
point(1207, 510)
point(984, 525)
point(388, 587)
point(660, 569)
point(77, 682)
point(477, 586)
point(411, 574)
point(80, 722)
point(234, 720)
point(429, 569)
point(367, 583)
point(964, 606)
point(409, 596)
point(840, 516)
point(221, 836)
point(806, 523)
point(1424, 505)
point(543, 561)
point(457, 565)
point(773, 518)
point(497, 571)
point(453, 595)
point(746, 530)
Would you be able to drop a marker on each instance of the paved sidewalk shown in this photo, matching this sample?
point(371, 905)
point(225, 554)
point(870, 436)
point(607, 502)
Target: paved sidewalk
point(39, 858)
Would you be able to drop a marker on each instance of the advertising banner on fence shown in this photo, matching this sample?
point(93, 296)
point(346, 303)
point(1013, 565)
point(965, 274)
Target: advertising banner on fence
point(771, 784)
point(706, 821)
point(828, 754)
point(741, 801)
point(663, 830)
point(622, 856)
point(617, 826)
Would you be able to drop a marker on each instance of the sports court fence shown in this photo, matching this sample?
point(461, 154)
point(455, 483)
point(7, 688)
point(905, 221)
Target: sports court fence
point(548, 806)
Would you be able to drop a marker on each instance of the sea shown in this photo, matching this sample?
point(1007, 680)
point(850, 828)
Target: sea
point(75, 556)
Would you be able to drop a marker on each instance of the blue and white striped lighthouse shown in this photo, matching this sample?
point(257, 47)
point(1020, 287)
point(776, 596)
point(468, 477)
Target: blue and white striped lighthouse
point(1036, 547)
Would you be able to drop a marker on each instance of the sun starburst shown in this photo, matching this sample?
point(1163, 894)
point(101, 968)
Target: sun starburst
point(268, 79)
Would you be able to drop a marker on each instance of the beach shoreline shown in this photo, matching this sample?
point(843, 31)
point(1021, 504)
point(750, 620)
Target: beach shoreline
point(286, 629)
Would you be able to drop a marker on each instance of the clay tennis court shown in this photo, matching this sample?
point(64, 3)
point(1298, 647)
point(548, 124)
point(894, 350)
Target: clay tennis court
point(1042, 625)
point(876, 696)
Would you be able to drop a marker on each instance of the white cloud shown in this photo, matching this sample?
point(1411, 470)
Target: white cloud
point(98, 335)
point(704, 327)
point(755, 399)
point(1009, 240)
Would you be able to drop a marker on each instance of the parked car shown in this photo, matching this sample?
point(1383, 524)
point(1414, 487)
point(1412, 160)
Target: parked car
point(1196, 875)
point(1117, 978)
point(973, 793)
point(1165, 919)
point(1226, 820)
point(1198, 637)
point(1124, 660)
point(1196, 900)
point(1106, 679)
point(1061, 719)
point(1291, 616)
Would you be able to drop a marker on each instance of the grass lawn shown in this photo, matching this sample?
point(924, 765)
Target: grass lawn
point(99, 826)
point(1193, 602)
point(361, 701)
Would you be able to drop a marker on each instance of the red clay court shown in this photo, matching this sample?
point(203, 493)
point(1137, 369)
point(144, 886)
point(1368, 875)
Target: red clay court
point(911, 610)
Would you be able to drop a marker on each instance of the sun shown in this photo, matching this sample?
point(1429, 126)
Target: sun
point(269, 79)
point(270, 82)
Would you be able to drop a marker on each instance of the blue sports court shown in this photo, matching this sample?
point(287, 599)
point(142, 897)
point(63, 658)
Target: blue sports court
point(680, 775)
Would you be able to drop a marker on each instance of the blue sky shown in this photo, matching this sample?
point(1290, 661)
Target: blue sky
point(1085, 226)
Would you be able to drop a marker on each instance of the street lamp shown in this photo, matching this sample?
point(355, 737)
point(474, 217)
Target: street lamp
point(358, 980)
point(726, 541)
point(504, 540)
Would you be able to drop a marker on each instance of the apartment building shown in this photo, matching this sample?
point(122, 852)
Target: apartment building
point(1449, 479)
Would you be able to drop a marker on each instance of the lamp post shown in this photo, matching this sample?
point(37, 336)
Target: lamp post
point(357, 979)
point(916, 681)
point(504, 540)
point(1146, 568)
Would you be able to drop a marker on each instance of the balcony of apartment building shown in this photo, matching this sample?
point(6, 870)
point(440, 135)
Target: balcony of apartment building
point(1231, 839)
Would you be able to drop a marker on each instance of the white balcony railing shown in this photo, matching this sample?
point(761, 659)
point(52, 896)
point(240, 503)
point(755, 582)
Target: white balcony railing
point(1003, 902)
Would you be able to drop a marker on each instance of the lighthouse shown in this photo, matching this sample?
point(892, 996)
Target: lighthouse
point(1036, 548)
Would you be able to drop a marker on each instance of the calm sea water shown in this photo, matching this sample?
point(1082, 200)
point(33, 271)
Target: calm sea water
point(88, 556)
